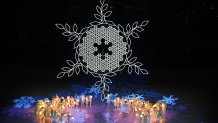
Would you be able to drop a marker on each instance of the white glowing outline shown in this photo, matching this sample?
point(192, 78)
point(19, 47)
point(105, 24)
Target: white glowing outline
point(75, 36)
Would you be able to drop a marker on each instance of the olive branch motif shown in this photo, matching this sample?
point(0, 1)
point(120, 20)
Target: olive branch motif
point(75, 36)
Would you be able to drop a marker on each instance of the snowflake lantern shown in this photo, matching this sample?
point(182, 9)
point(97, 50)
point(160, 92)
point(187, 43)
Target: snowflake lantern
point(102, 48)
point(169, 100)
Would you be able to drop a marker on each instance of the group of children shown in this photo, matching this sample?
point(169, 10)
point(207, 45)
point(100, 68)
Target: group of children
point(143, 110)
point(46, 110)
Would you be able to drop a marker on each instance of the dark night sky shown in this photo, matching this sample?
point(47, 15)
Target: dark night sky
point(180, 33)
point(181, 37)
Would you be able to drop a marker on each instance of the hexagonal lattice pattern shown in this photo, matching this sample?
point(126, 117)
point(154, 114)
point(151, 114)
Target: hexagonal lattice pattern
point(118, 48)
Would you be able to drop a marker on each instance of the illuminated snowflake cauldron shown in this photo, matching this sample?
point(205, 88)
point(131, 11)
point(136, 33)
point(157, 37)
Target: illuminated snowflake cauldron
point(102, 49)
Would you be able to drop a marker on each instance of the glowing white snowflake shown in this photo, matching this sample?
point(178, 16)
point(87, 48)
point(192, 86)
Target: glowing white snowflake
point(169, 100)
point(102, 49)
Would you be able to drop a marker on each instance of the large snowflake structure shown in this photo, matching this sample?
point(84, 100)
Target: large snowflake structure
point(169, 100)
point(102, 49)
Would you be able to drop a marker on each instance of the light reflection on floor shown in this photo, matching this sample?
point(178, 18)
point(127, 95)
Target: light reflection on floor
point(98, 113)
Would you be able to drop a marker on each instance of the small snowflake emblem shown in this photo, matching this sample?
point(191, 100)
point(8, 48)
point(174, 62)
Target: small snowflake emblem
point(169, 100)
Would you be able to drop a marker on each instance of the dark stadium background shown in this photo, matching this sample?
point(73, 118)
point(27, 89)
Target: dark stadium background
point(178, 47)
